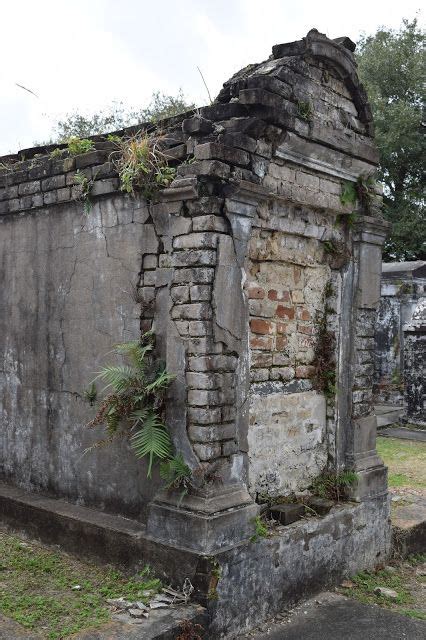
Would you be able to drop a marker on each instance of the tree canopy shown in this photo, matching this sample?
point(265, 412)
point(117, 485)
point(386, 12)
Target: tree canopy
point(391, 66)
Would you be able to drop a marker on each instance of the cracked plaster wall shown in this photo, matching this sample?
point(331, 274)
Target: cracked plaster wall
point(287, 270)
point(66, 299)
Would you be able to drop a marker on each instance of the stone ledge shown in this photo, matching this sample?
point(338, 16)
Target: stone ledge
point(91, 534)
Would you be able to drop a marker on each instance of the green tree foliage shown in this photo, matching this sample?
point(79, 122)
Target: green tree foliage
point(117, 117)
point(391, 67)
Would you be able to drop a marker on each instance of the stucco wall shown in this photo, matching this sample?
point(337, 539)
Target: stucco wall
point(66, 299)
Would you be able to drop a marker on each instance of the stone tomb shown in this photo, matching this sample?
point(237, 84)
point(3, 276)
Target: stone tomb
point(261, 288)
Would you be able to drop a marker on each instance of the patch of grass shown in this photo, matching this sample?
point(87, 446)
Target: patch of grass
point(417, 559)
point(36, 589)
point(365, 582)
point(398, 480)
point(333, 486)
point(143, 165)
point(414, 613)
point(403, 577)
point(406, 460)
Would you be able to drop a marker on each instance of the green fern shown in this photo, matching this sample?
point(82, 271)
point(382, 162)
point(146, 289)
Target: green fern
point(133, 405)
point(119, 377)
point(175, 472)
point(152, 440)
point(136, 351)
point(162, 381)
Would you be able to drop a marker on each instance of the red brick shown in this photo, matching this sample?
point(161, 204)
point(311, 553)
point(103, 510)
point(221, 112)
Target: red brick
point(264, 327)
point(282, 327)
point(256, 293)
point(261, 342)
point(303, 314)
point(305, 371)
point(306, 329)
point(261, 359)
point(281, 343)
point(282, 296)
point(285, 312)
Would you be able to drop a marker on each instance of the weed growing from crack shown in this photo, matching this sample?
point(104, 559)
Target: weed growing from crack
point(86, 186)
point(142, 165)
point(304, 110)
point(333, 486)
point(261, 530)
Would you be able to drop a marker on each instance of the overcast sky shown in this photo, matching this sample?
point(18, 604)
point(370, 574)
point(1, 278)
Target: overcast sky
point(86, 54)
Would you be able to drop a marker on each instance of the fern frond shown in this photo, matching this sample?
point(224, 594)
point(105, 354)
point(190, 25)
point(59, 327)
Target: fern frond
point(119, 377)
point(175, 472)
point(152, 440)
point(135, 351)
point(162, 381)
point(139, 415)
point(112, 420)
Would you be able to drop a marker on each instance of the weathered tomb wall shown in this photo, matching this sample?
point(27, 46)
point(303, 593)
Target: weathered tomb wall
point(66, 298)
point(415, 365)
point(402, 286)
point(251, 234)
point(286, 279)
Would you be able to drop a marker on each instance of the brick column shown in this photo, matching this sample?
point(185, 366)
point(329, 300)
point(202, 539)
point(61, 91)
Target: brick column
point(360, 433)
point(201, 324)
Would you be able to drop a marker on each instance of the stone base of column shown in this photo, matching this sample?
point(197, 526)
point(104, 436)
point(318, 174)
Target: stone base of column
point(371, 473)
point(371, 483)
point(205, 521)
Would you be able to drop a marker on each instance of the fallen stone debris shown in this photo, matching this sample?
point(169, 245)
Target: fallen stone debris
point(135, 611)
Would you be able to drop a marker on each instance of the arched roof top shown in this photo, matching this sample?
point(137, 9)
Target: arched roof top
point(338, 53)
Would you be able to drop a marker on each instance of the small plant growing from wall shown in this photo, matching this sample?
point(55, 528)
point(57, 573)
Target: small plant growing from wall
point(90, 394)
point(86, 186)
point(361, 191)
point(260, 530)
point(133, 406)
point(142, 165)
point(333, 486)
point(77, 146)
point(304, 110)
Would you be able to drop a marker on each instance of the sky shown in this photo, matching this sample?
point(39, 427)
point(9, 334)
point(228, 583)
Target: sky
point(87, 54)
